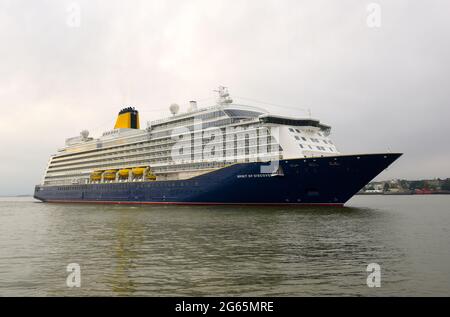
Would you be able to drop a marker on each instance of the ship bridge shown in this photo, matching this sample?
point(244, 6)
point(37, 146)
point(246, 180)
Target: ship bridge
point(280, 120)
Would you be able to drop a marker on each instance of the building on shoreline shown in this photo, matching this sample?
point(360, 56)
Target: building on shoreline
point(407, 187)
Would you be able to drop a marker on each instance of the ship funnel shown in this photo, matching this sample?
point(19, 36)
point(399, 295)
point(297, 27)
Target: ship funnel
point(128, 118)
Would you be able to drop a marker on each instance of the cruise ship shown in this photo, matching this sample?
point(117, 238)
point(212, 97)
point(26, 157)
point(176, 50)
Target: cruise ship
point(228, 153)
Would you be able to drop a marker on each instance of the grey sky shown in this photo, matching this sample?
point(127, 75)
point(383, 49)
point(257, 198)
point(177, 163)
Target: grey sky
point(379, 88)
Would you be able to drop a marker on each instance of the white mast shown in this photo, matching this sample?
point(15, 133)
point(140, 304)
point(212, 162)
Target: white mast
point(224, 96)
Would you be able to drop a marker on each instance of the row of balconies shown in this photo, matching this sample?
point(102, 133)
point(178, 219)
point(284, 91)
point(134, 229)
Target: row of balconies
point(241, 142)
point(122, 153)
point(140, 144)
point(172, 165)
point(103, 152)
point(157, 158)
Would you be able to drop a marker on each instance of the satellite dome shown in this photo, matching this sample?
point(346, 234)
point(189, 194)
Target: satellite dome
point(174, 108)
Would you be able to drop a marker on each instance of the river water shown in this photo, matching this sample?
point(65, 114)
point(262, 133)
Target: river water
point(232, 251)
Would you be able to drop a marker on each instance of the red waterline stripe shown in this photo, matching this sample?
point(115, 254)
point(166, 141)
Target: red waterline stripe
point(189, 203)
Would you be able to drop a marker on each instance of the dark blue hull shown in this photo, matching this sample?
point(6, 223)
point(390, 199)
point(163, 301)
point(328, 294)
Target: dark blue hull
point(322, 181)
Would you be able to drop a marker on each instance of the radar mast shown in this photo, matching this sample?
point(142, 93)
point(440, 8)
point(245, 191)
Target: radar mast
point(224, 96)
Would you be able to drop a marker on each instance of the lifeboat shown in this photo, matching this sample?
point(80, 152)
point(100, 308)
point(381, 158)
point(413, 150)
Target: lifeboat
point(150, 176)
point(139, 171)
point(96, 175)
point(124, 173)
point(110, 174)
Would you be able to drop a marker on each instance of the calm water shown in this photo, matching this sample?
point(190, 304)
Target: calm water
point(242, 251)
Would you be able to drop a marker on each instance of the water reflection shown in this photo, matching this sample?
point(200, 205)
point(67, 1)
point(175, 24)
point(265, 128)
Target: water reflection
point(127, 240)
point(245, 251)
point(242, 250)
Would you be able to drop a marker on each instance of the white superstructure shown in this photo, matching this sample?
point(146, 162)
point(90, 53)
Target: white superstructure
point(189, 144)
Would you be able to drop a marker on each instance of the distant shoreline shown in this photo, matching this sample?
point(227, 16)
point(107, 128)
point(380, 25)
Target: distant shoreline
point(405, 194)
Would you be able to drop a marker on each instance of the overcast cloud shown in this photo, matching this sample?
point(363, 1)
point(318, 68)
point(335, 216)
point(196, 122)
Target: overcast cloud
point(380, 89)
